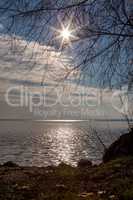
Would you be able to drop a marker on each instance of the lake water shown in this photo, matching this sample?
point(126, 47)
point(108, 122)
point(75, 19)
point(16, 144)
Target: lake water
point(49, 143)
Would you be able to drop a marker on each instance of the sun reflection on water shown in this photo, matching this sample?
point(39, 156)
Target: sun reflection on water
point(58, 144)
point(65, 145)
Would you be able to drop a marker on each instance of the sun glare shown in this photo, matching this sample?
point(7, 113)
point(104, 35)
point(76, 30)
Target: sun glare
point(65, 34)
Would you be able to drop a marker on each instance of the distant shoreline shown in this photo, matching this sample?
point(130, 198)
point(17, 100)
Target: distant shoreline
point(65, 121)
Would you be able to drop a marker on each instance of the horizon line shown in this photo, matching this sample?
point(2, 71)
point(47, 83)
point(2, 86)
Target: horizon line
point(63, 120)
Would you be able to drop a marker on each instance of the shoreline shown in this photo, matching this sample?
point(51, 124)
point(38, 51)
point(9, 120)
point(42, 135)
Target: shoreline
point(112, 180)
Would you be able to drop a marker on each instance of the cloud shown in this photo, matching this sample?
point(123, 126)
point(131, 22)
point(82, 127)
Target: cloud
point(1, 27)
point(24, 60)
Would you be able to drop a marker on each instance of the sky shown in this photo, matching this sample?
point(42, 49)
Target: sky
point(64, 99)
point(31, 59)
point(39, 29)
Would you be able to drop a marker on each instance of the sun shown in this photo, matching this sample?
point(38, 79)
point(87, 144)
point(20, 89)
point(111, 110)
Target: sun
point(65, 34)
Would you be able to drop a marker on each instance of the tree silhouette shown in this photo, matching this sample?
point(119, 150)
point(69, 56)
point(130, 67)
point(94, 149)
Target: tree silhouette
point(103, 43)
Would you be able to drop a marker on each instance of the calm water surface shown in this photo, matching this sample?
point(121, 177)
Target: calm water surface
point(43, 144)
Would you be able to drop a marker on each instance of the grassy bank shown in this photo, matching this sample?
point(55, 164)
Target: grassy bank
point(113, 180)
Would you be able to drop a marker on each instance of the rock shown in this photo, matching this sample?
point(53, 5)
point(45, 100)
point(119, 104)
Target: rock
point(123, 146)
point(112, 197)
point(101, 192)
point(10, 164)
point(86, 194)
point(61, 187)
point(83, 163)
